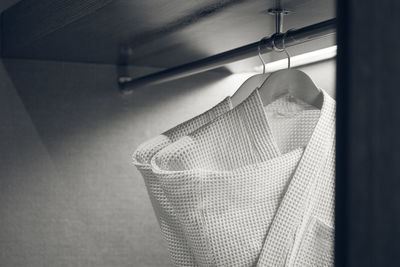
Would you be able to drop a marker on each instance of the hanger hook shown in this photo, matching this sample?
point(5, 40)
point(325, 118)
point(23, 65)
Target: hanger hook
point(283, 49)
point(259, 53)
point(284, 46)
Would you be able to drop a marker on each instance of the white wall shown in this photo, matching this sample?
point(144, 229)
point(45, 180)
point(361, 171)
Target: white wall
point(26, 172)
point(70, 195)
point(323, 75)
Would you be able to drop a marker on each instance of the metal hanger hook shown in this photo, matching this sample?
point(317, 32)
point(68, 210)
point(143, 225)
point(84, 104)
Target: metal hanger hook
point(274, 47)
point(283, 49)
point(259, 53)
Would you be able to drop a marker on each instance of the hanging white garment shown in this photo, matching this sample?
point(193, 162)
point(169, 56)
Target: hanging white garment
point(243, 199)
point(179, 251)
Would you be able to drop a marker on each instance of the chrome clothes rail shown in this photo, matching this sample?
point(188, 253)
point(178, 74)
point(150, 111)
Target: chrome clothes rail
point(292, 37)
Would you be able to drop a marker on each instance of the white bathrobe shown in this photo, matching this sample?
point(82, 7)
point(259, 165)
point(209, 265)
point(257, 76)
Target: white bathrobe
point(256, 186)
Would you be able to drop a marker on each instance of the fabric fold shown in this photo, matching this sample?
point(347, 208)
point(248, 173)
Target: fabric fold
point(176, 242)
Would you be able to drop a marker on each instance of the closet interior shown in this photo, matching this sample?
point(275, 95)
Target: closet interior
point(84, 83)
point(193, 133)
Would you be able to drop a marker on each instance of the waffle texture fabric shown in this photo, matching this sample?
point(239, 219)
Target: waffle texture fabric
point(245, 199)
point(174, 238)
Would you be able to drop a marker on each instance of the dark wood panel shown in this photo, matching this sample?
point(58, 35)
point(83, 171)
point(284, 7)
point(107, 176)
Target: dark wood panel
point(30, 20)
point(119, 22)
point(157, 31)
point(4, 4)
point(368, 130)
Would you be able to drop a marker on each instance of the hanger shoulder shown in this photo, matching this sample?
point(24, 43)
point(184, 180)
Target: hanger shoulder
point(247, 88)
point(292, 81)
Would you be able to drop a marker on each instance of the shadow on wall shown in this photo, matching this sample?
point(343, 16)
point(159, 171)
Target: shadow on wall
point(68, 99)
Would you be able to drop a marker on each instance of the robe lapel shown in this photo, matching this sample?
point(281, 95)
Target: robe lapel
point(295, 204)
point(256, 124)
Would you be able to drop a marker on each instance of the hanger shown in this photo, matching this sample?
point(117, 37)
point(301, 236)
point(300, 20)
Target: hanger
point(250, 84)
point(292, 81)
